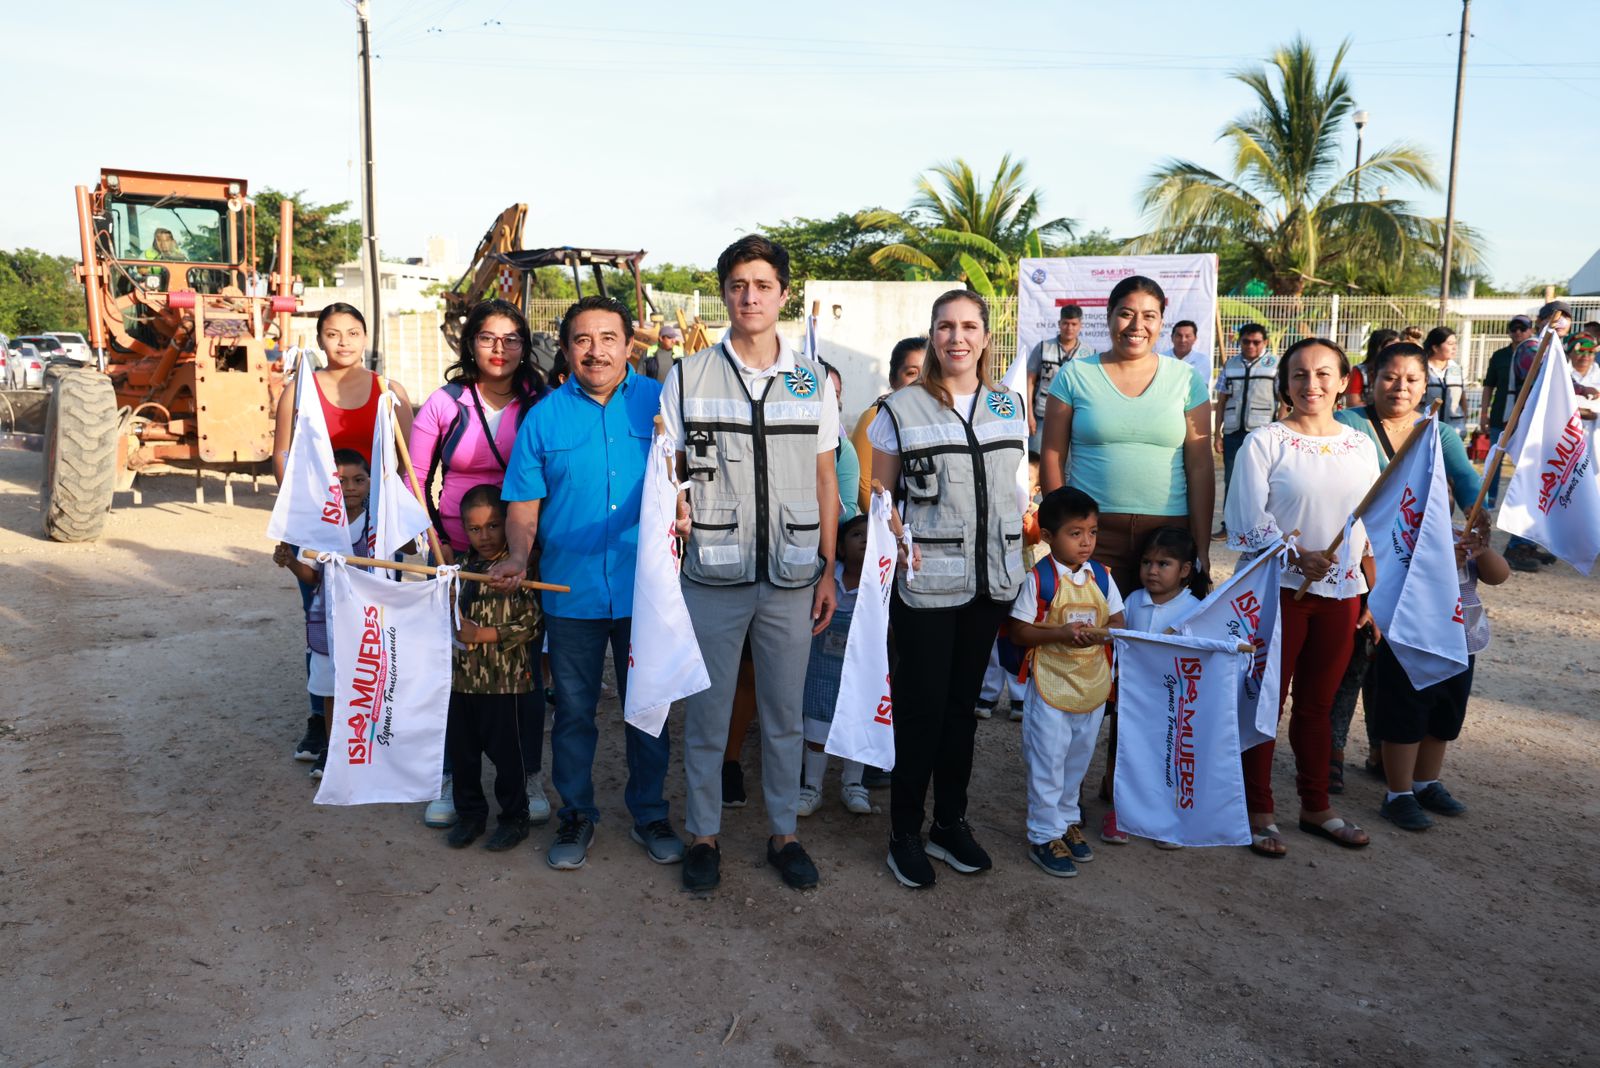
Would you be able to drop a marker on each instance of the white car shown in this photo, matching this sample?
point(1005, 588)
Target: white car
point(24, 367)
point(73, 346)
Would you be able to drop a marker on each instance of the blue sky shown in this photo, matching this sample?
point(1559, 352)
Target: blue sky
point(674, 127)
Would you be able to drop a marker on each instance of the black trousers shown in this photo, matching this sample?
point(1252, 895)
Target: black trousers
point(481, 724)
point(943, 653)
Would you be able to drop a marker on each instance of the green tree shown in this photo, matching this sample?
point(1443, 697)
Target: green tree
point(39, 292)
point(322, 239)
point(837, 248)
point(956, 228)
point(1289, 205)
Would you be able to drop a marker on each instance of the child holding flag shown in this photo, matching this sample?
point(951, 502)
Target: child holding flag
point(493, 675)
point(1069, 675)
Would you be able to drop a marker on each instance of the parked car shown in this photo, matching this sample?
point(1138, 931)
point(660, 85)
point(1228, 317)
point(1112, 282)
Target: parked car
point(75, 346)
point(24, 365)
point(48, 345)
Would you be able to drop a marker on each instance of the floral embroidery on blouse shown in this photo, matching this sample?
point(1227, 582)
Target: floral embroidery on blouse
point(1343, 445)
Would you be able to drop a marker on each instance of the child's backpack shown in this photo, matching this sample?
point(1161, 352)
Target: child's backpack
point(1013, 657)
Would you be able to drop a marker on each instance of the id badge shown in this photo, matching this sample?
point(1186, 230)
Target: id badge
point(1082, 615)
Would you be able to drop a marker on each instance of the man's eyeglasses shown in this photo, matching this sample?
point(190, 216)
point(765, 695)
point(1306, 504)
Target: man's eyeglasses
point(509, 342)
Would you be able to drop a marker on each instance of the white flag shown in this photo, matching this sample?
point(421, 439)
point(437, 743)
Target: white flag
point(1416, 601)
point(1016, 380)
point(664, 662)
point(390, 643)
point(1553, 498)
point(397, 517)
point(309, 511)
point(1179, 777)
point(863, 717)
point(1245, 609)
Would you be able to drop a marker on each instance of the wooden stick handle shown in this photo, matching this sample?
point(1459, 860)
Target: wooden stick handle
point(416, 488)
point(424, 569)
point(1103, 636)
point(1511, 424)
point(895, 526)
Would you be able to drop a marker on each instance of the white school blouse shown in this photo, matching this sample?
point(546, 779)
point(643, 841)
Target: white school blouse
point(1284, 480)
point(1143, 614)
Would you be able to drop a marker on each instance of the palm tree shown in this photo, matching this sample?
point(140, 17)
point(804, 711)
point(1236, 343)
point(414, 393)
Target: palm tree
point(1288, 203)
point(959, 230)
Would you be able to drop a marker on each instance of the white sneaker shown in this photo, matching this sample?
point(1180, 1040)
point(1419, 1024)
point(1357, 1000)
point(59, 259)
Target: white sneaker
point(984, 709)
point(538, 804)
point(810, 800)
point(441, 812)
point(1016, 712)
point(856, 799)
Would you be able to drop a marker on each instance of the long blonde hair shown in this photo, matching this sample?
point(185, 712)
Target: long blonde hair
point(932, 378)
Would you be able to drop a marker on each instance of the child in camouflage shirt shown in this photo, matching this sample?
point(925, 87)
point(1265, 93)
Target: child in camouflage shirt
point(493, 674)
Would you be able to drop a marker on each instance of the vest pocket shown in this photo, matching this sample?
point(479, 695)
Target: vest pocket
point(1009, 573)
point(943, 549)
point(798, 540)
point(714, 541)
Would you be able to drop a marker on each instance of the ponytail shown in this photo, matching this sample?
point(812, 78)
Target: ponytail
point(1180, 544)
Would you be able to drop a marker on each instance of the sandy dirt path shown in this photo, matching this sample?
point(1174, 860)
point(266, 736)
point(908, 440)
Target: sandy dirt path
point(169, 894)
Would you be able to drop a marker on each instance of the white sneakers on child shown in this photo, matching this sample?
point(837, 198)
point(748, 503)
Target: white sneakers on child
point(441, 812)
point(856, 799)
point(538, 804)
point(810, 800)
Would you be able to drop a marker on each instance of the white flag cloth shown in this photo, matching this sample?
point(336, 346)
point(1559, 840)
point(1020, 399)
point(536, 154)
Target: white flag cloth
point(390, 644)
point(1179, 777)
point(1553, 498)
point(1245, 609)
point(863, 717)
point(309, 511)
point(1416, 600)
point(397, 517)
point(1016, 380)
point(664, 662)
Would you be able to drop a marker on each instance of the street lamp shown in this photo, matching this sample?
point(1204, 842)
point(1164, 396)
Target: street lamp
point(1361, 121)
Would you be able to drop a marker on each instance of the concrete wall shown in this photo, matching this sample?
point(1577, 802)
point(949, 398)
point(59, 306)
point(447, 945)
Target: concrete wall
point(858, 325)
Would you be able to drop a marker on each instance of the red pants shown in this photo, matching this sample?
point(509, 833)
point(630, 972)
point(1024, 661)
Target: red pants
point(1318, 634)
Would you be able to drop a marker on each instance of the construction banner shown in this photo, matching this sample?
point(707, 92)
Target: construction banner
point(1045, 285)
point(390, 643)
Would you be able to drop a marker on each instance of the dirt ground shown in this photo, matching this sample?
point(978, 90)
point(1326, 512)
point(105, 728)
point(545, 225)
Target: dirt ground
point(170, 895)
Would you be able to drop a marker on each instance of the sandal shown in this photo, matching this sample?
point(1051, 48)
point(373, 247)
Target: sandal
point(1260, 837)
point(1338, 831)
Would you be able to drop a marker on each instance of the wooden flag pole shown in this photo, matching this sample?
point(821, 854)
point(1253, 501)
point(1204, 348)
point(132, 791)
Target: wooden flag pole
point(1372, 493)
point(1511, 424)
point(416, 489)
point(424, 569)
point(1104, 636)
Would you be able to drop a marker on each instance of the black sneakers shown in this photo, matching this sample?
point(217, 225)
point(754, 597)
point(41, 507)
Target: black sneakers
point(956, 847)
point(732, 785)
point(793, 864)
point(508, 834)
point(909, 862)
point(313, 742)
point(464, 833)
point(702, 868)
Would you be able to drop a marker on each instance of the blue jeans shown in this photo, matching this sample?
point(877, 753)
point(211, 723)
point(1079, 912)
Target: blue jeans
point(577, 657)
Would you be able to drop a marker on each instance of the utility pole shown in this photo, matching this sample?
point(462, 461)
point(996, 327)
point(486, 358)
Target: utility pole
point(1455, 152)
point(371, 289)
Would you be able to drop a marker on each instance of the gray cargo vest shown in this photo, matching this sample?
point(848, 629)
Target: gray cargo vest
point(1051, 357)
point(1449, 387)
point(959, 487)
point(1252, 398)
point(753, 466)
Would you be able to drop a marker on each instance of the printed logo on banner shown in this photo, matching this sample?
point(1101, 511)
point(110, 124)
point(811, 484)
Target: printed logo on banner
point(1002, 405)
point(1183, 688)
point(1407, 523)
point(333, 505)
point(885, 713)
point(1572, 455)
point(1246, 627)
point(371, 688)
point(1110, 273)
point(1037, 275)
point(802, 383)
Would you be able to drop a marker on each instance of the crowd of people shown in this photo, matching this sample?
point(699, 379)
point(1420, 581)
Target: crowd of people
point(543, 479)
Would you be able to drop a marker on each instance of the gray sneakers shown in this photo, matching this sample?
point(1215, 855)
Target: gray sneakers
point(571, 847)
point(660, 842)
point(538, 804)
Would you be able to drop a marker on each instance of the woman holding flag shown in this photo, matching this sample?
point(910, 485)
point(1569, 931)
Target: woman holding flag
point(949, 446)
point(1308, 472)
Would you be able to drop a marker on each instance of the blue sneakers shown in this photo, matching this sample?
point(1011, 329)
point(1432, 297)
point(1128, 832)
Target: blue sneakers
point(1054, 857)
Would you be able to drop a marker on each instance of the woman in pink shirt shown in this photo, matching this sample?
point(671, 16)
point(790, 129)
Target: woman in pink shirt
point(467, 428)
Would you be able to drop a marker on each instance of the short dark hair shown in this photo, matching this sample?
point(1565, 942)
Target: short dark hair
point(748, 249)
point(1186, 322)
point(847, 525)
point(1070, 311)
point(1380, 340)
point(1179, 544)
point(1592, 327)
point(1135, 283)
point(1253, 328)
point(339, 307)
point(595, 302)
point(484, 493)
point(1062, 505)
point(903, 348)
point(342, 457)
point(1298, 346)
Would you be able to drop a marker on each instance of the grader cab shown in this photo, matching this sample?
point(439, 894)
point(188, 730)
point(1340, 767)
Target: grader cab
point(185, 370)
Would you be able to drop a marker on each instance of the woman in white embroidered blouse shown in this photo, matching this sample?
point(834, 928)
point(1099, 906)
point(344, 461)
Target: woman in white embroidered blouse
point(1306, 472)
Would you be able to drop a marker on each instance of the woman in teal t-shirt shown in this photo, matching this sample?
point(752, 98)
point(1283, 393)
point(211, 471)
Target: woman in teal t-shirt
point(1132, 430)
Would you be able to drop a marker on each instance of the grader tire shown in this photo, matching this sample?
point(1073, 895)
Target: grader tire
point(80, 455)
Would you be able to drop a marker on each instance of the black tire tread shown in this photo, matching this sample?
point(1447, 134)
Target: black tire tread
point(81, 433)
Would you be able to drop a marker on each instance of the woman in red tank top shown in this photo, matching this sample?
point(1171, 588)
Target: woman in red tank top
point(347, 390)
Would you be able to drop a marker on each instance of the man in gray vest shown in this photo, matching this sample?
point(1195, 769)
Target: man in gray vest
point(1045, 360)
point(756, 425)
point(1247, 398)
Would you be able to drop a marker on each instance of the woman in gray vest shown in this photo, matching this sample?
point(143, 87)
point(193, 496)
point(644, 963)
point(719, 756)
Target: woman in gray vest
point(1447, 383)
point(950, 445)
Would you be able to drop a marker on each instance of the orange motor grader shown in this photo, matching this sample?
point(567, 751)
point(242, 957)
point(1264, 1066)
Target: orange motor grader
point(185, 335)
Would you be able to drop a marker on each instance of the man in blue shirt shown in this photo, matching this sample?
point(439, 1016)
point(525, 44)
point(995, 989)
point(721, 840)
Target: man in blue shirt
point(573, 486)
